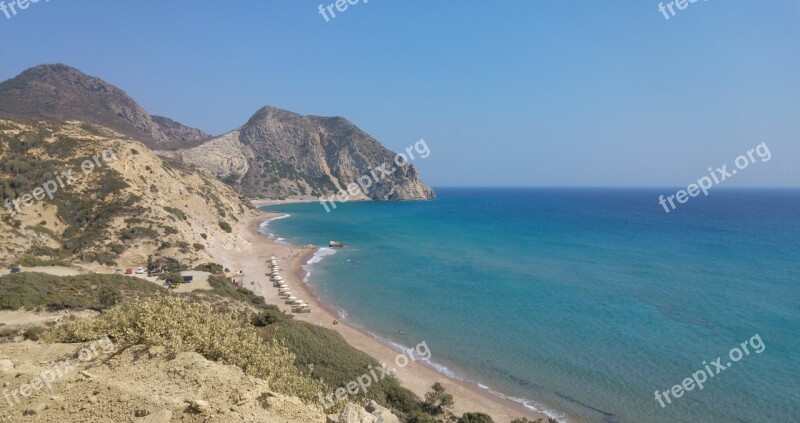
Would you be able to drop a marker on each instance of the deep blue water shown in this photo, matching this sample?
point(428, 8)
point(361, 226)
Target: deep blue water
point(584, 301)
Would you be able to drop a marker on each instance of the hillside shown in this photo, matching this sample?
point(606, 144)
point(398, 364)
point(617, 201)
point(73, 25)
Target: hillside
point(131, 205)
point(214, 359)
point(278, 154)
point(60, 93)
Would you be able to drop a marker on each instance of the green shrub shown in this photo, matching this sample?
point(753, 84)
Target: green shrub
point(225, 226)
point(138, 232)
point(181, 325)
point(269, 315)
point(33, 333)
point(475, 418)
point(174, 278)
point(176, 212)
point(213, 268)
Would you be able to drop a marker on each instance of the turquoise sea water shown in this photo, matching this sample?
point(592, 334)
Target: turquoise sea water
point(582, 302)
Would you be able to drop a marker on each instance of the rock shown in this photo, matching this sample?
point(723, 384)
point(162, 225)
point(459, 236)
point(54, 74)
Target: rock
point(93, 400)
point(381, 414)
point(335, 244)
point(6, 365)
point(355, 414)
point(141, 413)
point(163, 416)
point(34, 409)
point(200, 406)
point(332, 418)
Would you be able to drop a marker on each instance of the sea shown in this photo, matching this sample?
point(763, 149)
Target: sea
point(581, 303)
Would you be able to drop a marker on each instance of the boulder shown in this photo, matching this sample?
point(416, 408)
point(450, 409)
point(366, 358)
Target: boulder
point(355, 414)
point(381, 413)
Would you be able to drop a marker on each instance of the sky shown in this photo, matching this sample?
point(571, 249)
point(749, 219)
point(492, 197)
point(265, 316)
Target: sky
point(507, 93)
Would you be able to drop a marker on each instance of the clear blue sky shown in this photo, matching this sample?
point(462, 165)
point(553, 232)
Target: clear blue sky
point(510, 93)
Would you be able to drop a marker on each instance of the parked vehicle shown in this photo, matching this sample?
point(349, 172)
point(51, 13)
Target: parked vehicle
point(140, 270)
point(16, 269)
point(187, 279)
point(118, 272)
point(129, 271)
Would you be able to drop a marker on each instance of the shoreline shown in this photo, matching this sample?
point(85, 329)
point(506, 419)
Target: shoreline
point(417, 377)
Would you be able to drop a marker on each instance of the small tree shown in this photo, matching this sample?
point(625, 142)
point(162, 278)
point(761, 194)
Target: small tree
point(437, 400)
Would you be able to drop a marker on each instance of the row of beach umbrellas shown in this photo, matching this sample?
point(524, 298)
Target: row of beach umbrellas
point(298, 305)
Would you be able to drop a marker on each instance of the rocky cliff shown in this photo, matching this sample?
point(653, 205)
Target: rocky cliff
point(278, 154)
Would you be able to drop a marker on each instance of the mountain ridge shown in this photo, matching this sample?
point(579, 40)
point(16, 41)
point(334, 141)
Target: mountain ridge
point(58, 92)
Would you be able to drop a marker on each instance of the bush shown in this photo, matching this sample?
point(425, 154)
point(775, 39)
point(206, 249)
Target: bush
point(270, 315)
point(174, 278)
point(225, 226)
point(33, 333)
point(475, 418)
point(138, 232)
point(213, 268)
point(181, 325)
point(198, 246)
point(176, 212)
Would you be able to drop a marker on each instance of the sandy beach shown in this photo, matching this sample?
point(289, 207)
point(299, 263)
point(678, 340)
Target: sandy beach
point(252, 260)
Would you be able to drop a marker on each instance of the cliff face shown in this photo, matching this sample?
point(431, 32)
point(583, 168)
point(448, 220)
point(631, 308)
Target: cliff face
point(59, 93)
point(279, 154)
point(128, 206)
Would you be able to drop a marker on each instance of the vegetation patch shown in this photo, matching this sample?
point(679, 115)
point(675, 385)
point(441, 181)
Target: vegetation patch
point(32, 291)
point(181, 325)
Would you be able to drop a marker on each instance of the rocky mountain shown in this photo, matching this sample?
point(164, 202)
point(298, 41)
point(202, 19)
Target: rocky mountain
point(278, 154)
point(61, 93)
point(81, 193)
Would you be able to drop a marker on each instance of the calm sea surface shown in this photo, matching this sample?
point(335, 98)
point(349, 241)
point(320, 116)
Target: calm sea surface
point(583, 302)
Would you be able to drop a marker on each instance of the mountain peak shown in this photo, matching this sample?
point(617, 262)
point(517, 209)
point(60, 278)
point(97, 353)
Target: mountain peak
point(60, 92)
